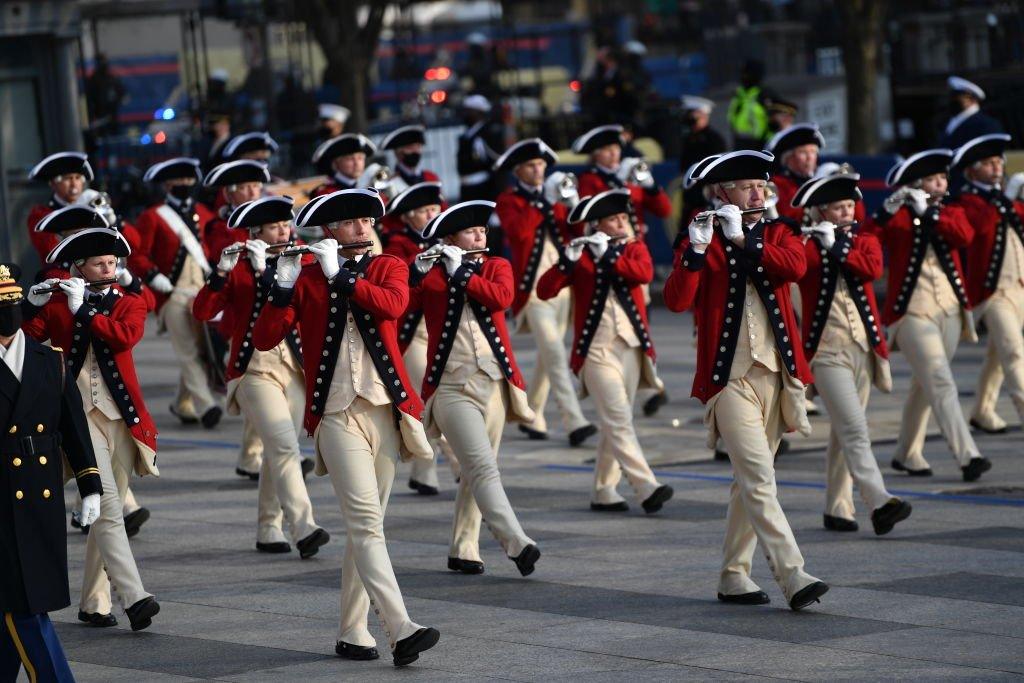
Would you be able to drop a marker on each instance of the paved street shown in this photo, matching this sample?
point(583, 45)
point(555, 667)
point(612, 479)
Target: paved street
point(614, 597)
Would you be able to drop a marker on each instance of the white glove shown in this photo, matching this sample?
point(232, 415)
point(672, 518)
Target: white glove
point(257, 254)
point(123, 275)
point(625, 172)
point(826, 233)
point(917, 199)
point(553, 191)
point(288, 267)
point(228, 259)
point(598, 243)
point(37, 298)
point(74, 288)
point(894, 201)
point(423, 265)
point(90, 510)
point(1014, 184)
point(731, 221)
point(574, 249)
point(161, 283)
point(701, 232)
point(326, 253)
point(452, 256)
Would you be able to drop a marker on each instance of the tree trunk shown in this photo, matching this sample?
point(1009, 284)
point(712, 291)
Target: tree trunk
point(862, 22)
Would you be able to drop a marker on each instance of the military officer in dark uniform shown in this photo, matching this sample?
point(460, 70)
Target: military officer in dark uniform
point(41, 415)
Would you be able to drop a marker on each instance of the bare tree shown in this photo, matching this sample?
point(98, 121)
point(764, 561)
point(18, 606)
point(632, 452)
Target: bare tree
point(861, 39)
point(349, 46)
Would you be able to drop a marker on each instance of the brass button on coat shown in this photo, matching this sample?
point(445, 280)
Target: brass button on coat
point(42, 459)
point(40, 428)
point(13, 430)
point(46, 493)
point(19, 495)
point(17, 462)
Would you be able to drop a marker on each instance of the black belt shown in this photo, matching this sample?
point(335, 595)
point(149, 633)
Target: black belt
point(30, 445)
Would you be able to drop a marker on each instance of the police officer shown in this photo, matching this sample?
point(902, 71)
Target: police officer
point(37, 425)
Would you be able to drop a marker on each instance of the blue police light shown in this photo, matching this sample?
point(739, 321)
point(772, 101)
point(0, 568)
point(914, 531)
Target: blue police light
point(168, 114)
point(145, 139)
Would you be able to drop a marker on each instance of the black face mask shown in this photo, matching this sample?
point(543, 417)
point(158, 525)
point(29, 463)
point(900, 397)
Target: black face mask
point(181, 192)
point(411, 160)
point(324, 132)
point(10, 320)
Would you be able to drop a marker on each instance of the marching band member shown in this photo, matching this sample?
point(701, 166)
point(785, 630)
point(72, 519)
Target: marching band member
point(360, 407)
point(342, 159)
point(609, 170)
point(407, 144)
point(473, 385)
point(414, 208)
point(841, 330)
point(612, 351)
point(751, 370)
point(995, 271)
point(172, 262)
point(256, 145)
point(536, 230)
point(797, 148)
point(267, 386)
point(100, 325)
point(35, 556)
point(68, 174)
point(927, 310)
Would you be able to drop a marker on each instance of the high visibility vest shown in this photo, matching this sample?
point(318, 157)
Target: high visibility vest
point(747, 116)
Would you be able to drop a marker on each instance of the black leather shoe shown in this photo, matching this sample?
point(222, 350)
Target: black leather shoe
point(275, 548)
point(211, 417)
point(307, 466)
point(253, 476)
point(975, 468)
point(423, 489)
point(310, 545)
point(721, 456)
point(185, 419)
point(97, 619)
point(457, 564)
point(621, 506)
point(141, 613)
point(534, 434)
point(977, 425)
point(408, 650)
point(578, 436)
point(755, 598)
point(900, 467)
point(654, 403)
point(134, 520)
point(807, 595)
point(886, 517)
point(840, 524)
point(657, 499)
point(356, 653)
point(527, 559)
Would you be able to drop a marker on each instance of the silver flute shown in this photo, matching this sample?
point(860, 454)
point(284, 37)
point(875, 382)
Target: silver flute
point(304, 249)
point(809, 229)
point(436, 255)
point(240, 247)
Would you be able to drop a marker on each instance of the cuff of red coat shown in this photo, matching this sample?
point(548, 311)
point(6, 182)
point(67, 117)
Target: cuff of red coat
point(692, 260)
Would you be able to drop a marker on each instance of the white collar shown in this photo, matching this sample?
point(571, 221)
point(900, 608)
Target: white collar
point(532, 189)
point(345, 180)
point(410, 171)
point(60, 202)
point(984, 186)
point(955, 122)
point(14, 355)
point(177, 203)
point(609, 171)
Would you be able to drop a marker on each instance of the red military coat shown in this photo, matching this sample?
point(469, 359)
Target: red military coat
point(489, 287)
point(522, 221)
point(42, 242)
point(159, 247)
point(622, 272)
point(377, 291)
point(906, 237)
point(113, 328)
point(217, 235)
point(407, 245)
point(992, 216)
point(657, 201)
point(772, 258)
point(857, 258)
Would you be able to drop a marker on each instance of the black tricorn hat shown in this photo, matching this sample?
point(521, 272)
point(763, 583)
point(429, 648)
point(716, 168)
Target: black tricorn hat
point(71, 217)
point(248, 142)
point(607, 203)
point(342, 145)
point(828, 189)
point(272, 209)
point(739, 165)
point(173, 169)
point(471, 214)
point(406, 135)
point(88, 243)
point(241, 171)
point(341, 206)
point(794, 136)
point(920, 165)
point(62, 163)
point(415, 197)
point(523, 151)
point(982, 147)
point(598, 137)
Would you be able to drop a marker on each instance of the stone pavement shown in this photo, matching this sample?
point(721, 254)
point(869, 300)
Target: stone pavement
point(614, 597)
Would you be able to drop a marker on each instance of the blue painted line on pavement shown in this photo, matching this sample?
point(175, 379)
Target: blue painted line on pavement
point(947, 497)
